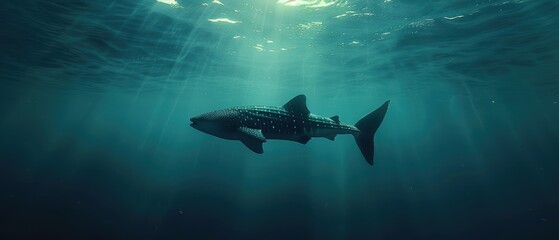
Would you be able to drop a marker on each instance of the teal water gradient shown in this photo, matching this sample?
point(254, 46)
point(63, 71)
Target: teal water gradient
point(96, 99)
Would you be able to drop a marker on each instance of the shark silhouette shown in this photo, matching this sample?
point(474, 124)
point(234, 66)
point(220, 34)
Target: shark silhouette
point(293, 122)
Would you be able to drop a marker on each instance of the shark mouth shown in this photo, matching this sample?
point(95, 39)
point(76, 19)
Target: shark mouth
point(193, 122)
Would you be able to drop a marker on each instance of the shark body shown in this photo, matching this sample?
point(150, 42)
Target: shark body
point(293, 122)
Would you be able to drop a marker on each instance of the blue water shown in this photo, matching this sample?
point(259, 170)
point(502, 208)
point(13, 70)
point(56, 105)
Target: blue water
point(96, 96)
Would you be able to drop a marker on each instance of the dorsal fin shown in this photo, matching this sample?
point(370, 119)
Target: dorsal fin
point(297, 104)
point(336, 119)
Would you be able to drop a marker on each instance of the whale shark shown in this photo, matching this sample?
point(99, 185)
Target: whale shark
point(254, 125)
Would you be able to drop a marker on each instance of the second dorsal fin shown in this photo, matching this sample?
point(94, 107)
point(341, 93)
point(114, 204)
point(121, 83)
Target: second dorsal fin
point(297, 104)
point(336, 119)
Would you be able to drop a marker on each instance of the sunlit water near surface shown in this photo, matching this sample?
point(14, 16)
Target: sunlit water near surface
point(96, 98)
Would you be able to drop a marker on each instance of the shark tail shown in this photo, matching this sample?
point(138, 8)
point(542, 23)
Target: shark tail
point(368, 126)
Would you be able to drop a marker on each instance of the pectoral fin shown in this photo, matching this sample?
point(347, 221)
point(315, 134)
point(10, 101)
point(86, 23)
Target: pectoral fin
point(253, 145)
point(252, 138)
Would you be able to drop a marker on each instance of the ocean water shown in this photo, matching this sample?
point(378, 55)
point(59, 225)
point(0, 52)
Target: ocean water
point(96, 96)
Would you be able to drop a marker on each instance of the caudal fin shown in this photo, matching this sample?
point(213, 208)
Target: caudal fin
point(368, 126)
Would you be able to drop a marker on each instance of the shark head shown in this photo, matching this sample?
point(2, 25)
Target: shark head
point(216, 123)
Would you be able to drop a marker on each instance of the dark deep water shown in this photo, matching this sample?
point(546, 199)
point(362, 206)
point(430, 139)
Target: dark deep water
point(96, 97)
